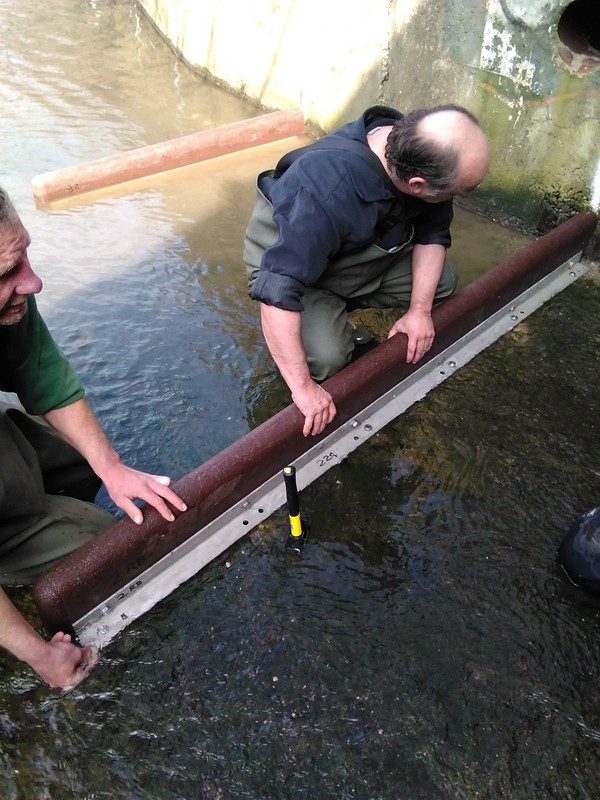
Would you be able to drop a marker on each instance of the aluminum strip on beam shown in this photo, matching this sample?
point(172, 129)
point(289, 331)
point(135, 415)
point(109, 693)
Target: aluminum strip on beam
point(105, 621)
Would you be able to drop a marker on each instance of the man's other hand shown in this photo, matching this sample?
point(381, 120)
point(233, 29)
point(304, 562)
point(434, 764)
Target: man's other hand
point(316, 405)
point(418, 327)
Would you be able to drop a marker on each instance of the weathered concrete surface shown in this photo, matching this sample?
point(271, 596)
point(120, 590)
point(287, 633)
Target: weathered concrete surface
point(536, 96)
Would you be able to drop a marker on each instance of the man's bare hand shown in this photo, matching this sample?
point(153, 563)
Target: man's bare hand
point(317, 406)
point(77, 424)
point(124, 484)
point(64, 664)
point(418, 327)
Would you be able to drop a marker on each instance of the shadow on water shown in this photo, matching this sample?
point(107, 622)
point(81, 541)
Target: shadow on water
point(426, 645)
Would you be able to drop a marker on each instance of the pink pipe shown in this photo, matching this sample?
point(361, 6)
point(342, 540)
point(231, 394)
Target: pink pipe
point(181, 152)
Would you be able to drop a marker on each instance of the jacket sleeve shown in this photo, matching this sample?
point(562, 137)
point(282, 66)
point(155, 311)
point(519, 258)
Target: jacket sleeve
point(432, 225)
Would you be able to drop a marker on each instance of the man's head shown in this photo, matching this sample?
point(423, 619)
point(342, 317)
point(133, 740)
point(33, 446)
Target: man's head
point(438, 153)
point(17, 279)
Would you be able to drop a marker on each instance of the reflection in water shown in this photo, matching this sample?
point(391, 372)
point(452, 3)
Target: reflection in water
point(425, 645)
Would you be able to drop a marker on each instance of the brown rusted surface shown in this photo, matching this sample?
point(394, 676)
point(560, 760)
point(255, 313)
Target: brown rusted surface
point(172, 154)
point(86, 578)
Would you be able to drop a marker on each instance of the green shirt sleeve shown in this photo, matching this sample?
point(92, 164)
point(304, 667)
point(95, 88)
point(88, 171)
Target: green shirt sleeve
point(33, 366)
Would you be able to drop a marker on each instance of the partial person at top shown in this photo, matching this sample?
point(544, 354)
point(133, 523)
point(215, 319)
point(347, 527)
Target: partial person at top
point(358, 219)
point(54, 456)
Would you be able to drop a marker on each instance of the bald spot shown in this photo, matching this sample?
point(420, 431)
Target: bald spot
point(454, 130)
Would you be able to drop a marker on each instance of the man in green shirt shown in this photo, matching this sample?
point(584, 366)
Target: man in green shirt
point(48, 467)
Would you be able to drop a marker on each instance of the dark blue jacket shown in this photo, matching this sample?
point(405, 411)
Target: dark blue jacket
point(330, 202)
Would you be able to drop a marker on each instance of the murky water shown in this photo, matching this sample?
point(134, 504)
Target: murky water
point(426, 645)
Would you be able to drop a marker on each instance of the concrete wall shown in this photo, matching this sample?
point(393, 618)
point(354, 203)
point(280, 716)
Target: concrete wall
point(536, 93)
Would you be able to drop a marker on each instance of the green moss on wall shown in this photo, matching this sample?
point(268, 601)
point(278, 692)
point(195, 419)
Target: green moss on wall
point(558, 205)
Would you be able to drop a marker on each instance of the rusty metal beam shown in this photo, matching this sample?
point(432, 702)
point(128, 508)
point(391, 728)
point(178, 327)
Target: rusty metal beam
point(112, 580)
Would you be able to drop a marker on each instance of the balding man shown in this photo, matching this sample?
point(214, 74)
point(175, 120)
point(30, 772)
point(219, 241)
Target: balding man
point(358, 219)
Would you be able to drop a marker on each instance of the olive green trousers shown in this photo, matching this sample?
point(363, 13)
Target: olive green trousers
point(46, 498)
point(327, 336)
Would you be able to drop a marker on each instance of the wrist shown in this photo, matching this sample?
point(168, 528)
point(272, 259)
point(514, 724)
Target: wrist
point(301, 387)
point(33, 650)
point(421, 308)
point(298, 379)
point(106, 464)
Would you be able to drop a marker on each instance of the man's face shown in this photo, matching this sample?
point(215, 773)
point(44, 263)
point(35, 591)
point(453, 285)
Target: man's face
point(17, 279)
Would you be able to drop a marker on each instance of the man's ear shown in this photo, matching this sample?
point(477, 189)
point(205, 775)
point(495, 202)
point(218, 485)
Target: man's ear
point(417, 185)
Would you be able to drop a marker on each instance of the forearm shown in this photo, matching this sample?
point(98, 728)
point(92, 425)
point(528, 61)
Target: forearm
point(427, 266)
point(416, 323)
point(282, 332)
point(17, 636)
point(77, 424)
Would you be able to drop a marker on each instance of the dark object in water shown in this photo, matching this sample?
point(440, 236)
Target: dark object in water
point(579, 552)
